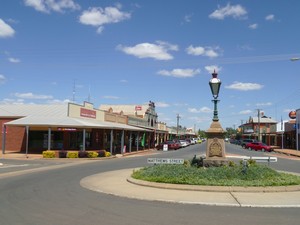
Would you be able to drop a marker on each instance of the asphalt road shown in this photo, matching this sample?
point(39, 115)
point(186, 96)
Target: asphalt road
point(55, 197)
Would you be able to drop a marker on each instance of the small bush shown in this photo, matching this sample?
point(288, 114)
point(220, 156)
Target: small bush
point(231, 164)
point(92, 154)
point(48, 154)
point(72, 155)
point(107, 154)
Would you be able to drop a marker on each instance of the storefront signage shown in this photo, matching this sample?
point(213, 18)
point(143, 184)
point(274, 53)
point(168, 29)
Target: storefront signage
point(138, 108)
point(165, 161)
point(87, 113)
point(292, 114)
point(66, 129)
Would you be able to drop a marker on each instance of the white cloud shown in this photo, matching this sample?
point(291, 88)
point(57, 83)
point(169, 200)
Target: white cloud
point(201, 110)
point(187, 18)
point(264, 104)
point(162, 104)
point(2, 79)
point(245, 112)
point(110, 97)
point(57, 101)
point(30, 95)
point(158, 51)
point(47, 6)
point(14, 60)
point(6, 30)
point(98, 17)
point(210, 69)
point(180, 73)
point(245, 86)
point(235, 11)
point(203, 51)
point(270, 17)
point(253, 26)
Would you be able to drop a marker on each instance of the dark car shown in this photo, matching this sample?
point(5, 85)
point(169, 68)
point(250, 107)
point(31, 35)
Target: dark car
point(172, 145)
point(244, 142)
point(259, 146)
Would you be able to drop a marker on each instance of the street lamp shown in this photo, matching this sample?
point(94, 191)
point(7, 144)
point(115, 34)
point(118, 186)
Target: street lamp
point(215, 147)
point(215, 85)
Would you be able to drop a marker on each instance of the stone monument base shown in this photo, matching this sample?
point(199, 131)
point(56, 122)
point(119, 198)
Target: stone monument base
point(215, 162)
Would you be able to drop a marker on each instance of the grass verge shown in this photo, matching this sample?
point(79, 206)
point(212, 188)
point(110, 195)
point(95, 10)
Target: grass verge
point(253, 176)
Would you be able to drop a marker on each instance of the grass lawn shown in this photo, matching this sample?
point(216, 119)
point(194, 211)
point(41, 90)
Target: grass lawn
point(235, 175)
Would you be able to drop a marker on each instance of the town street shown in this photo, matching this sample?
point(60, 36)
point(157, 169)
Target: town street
point(49, 192)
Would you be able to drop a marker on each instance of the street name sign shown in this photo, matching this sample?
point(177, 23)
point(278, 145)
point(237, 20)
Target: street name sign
point(165, 161)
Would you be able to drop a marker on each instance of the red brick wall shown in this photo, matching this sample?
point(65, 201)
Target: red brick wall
point(15, 137)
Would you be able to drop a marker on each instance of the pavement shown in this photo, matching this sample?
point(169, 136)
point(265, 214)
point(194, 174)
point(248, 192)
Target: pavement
point(120, 183)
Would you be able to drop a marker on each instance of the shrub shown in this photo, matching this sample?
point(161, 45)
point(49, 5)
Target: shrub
point(107, 154)
point(48, 154)
point(231, 164)
point(92, 154)
point(72, 155)
point(197, 162)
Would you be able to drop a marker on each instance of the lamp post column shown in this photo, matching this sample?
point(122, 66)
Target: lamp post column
point(215, 148)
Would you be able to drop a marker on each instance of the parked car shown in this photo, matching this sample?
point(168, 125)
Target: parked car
point(194, 141)
point(172, 145)
point(183, 143)
point(259, 146)
point(244, 142)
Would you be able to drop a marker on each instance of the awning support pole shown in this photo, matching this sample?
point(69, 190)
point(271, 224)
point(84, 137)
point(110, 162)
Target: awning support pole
point(49, 138)
point(3, 138)
point(130, 141)
point(122, 142)
point(137, 141)
point(111, 141)
point(27, 138)
point(83, 140)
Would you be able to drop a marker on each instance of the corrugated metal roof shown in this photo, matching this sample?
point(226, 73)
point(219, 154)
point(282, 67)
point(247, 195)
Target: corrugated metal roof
point(264, 120)
point(53, 116)
point(33, 110)
point(39, 121)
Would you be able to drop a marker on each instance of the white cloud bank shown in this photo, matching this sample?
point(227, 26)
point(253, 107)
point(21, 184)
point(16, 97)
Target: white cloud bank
point(235, 11)
point(245, 86)
point(202, 51)
point(180, 73)
point(98, 17)
point(6, 30)
point(159, 50)
point(46, 6)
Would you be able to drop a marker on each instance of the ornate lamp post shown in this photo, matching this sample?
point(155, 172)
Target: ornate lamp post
point(215, 148)
point(215, 85)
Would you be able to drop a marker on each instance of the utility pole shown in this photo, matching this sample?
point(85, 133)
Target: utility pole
point(178, 117)
point(258, 123)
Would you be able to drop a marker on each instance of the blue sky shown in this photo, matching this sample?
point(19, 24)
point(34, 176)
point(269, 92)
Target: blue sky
point(133, 52)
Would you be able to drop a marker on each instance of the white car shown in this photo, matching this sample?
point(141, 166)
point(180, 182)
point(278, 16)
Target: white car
point(194, 141)
point(183, 143)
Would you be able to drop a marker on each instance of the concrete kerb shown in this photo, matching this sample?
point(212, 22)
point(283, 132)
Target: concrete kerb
point(119, 183)
point(184, 187)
